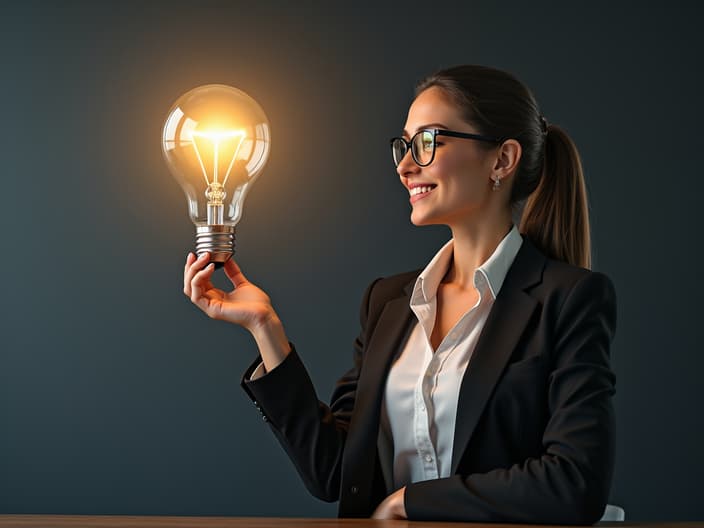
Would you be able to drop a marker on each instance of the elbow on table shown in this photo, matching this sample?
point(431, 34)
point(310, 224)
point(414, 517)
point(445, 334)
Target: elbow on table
point(585, 508)
point(324, 491)
point(323, 495)
point(591, 511)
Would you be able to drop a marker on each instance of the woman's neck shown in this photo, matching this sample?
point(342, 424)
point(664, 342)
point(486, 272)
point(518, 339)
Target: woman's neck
point(473, 244)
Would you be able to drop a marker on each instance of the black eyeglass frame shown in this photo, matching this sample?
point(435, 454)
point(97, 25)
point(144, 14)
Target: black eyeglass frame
point(437, 132)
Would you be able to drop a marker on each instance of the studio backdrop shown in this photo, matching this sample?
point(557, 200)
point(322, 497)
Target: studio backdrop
point(118, 396)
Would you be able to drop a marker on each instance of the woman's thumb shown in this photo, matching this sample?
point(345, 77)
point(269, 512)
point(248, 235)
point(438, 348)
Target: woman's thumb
point(234, 273)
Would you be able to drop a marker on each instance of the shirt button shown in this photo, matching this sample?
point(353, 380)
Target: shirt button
point(354, 490)
point(422, 407)
point(428, 458)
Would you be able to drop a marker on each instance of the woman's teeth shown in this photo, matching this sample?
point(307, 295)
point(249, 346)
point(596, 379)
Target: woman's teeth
point(420, 190)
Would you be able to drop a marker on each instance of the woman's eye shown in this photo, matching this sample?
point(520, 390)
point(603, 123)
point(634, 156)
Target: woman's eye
point(437, 144)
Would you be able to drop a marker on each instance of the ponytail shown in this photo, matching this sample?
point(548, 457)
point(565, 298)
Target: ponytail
point(555, 216)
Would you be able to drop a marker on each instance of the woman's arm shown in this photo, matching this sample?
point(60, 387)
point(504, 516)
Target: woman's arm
point(312, 434)
point(570, 482)
point(272, 342)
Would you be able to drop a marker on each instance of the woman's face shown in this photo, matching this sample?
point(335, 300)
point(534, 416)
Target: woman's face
point(461, 169)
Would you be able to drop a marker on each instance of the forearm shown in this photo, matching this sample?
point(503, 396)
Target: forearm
point(306, 428)
point(546, 490)
point(272, 342)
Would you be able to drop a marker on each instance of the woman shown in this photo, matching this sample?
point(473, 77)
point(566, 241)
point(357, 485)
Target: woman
point(481, 387)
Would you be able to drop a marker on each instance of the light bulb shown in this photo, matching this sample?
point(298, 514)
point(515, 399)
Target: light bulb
point(216, 141)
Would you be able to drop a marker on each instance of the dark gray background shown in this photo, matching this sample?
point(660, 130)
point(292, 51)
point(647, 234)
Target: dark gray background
point(117, 396)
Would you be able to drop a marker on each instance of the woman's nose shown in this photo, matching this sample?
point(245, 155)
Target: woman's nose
point(407, 165)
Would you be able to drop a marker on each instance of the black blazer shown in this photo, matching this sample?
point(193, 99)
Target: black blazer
point(534, 432)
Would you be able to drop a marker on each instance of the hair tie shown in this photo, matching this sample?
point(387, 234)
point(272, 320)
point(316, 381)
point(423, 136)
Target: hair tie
point(544, 125)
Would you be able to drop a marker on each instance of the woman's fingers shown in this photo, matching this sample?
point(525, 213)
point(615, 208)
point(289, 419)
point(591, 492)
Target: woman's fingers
point(190, 259)
point(241, 306)
point(233, 272)
point(193, 265)
point(205, 295)
point(200, 283)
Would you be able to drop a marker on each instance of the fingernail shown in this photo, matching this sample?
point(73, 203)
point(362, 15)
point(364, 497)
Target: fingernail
point(203, 255)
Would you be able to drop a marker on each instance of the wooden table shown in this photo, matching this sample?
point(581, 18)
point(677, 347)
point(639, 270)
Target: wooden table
point(128, 521)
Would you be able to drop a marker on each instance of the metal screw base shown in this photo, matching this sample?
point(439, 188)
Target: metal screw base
point(218, 240)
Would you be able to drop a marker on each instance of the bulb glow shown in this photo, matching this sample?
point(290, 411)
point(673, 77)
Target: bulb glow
point(216, 141)
point(208, 142)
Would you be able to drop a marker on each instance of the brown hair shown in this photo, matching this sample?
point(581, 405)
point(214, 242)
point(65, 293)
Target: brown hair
point(549, 176)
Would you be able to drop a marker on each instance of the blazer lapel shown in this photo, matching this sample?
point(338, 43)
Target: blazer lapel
point(505, 323)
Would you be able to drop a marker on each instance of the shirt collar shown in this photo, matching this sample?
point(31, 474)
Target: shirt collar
point(490, 274)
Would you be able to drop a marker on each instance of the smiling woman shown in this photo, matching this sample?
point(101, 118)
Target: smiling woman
point(481, 385)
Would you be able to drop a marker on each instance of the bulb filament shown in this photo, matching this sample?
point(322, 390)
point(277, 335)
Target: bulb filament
point(219, 144)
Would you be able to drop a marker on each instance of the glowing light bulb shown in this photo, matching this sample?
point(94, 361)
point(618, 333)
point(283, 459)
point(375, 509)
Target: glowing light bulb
point(216, 141)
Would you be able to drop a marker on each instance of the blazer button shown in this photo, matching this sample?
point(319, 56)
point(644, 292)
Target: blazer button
point(354, 490)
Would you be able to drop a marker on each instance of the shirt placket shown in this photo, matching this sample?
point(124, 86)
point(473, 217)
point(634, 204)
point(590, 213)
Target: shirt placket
point(423, 409)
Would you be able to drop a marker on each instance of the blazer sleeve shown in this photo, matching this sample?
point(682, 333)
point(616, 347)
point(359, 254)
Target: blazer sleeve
point(312, 433)
point(570, 482)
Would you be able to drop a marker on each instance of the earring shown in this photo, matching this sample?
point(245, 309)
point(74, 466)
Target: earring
point(497, 184)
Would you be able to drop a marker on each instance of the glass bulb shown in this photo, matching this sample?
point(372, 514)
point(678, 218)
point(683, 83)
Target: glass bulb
point(216, 141)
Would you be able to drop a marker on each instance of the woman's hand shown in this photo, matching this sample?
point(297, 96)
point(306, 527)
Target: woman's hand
point(245, 305)
point(392, 507)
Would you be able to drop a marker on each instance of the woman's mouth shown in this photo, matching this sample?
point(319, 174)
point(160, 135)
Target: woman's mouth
point(418, 193)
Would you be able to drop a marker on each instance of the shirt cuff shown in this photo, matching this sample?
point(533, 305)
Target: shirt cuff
point(258, 372)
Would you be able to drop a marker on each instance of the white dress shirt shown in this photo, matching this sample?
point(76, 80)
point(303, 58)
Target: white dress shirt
point(420, 398)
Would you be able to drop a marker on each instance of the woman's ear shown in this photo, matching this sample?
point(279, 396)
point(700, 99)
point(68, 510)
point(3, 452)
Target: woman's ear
point(507, 158)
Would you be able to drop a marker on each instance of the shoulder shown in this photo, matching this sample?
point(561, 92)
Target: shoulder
point(546, 275)
point(381, 291)
point(384, 289)
point(565, 277)
point(569, 293)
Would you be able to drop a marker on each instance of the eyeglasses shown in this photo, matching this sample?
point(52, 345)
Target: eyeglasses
point(422, 144)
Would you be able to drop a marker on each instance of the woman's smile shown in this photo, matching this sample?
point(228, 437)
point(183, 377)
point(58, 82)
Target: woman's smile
point(418, 193)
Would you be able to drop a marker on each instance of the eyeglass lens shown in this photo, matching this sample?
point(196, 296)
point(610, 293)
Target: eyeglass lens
point(422, 147)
